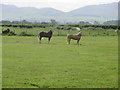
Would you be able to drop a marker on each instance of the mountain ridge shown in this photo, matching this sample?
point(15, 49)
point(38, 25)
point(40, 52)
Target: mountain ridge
point(12, 12)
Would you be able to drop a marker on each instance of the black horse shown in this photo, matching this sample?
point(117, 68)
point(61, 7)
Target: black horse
point(45, 34)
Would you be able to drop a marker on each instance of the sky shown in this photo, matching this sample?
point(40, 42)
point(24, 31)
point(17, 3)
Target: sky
point(63, 5)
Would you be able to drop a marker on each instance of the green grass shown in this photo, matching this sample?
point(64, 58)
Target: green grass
point(27, 64)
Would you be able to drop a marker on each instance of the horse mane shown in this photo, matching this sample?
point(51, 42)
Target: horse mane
point(79, 34)
point(50, 31)
point(68, 34)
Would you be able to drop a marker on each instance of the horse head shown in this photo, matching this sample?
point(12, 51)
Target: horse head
point(51, 31)
point(80, 33)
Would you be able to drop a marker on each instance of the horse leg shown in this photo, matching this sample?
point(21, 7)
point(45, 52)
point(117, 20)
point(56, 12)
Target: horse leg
point(78, 41)
point(40, 39)
point(68, 40)
point(49, 40)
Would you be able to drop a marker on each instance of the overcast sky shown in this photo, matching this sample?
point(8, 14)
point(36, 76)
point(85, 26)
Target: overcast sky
point(63, 5)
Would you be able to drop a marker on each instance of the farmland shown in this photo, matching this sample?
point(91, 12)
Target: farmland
point(28, 64)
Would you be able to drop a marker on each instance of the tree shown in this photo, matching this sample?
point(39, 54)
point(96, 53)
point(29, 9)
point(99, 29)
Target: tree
point(53, 22)
point(25, 22)
point(96, 23)
point(5, 22)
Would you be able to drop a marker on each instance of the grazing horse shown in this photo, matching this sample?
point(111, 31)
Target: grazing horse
point(74, 37)
point(45, 34)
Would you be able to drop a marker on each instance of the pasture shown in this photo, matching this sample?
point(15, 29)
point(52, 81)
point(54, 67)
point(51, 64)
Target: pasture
point(28, 64)
point(87, 31)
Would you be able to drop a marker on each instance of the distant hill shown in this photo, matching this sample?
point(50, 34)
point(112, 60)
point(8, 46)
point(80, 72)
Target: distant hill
point(29, 11)
point(112, 22)
point(102, 10)
point(87, 13)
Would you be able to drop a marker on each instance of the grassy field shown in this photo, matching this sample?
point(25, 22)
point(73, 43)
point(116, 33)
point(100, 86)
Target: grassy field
point(89, 31)
point(27, 64)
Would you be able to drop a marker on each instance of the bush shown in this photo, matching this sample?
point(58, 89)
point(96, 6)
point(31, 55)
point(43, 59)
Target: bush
point(11, 34)
point(25, 34)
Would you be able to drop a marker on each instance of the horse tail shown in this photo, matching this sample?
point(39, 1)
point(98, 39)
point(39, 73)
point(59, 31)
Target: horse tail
point(68, 39)
point(68, 35)
point(39, 37)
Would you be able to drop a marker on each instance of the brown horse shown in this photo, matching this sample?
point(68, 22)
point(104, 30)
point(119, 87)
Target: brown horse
point(74, 37)
point(45, 34)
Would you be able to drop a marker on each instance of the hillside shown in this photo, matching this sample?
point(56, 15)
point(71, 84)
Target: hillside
point(102, 12)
